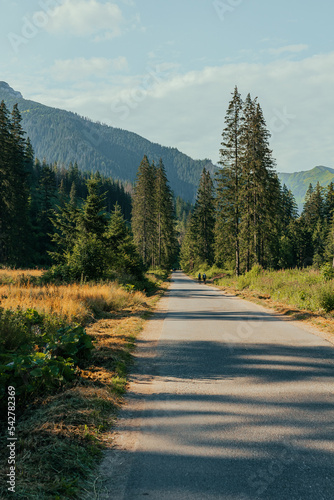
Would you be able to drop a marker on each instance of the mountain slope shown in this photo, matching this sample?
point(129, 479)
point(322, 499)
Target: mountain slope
point(64, 137)
point(299, 182)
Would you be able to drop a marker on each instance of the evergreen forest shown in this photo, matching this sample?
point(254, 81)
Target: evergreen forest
point(84, 224)
point(244, 217)
point(78, 223)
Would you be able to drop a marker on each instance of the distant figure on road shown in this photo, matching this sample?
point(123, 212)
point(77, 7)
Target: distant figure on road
point(199, 277)
point(204, 278)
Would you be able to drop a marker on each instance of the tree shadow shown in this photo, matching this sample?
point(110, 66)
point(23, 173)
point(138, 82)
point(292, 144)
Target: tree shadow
point(204, 436)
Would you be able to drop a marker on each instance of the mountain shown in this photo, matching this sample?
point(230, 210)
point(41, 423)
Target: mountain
point(63, 137)
point(299, 182)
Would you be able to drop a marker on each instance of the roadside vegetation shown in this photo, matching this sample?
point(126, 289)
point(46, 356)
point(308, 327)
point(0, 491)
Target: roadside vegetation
point(306, 294)
point(66, 350)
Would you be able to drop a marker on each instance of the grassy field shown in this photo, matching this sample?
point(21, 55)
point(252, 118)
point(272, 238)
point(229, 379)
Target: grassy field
point(71, 303)
point(62, 433)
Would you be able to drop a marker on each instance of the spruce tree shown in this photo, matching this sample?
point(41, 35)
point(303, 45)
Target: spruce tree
point(93, 220)
point(228, 185)
point(143, 212)
point(203, 220)
point(288, 214)
point(122, 253)
point(329, 202)
point(6, 201)
point(166, 246)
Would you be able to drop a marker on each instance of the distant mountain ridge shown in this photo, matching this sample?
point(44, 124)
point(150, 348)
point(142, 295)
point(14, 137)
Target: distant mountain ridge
point(63, 137)
point(299, 182)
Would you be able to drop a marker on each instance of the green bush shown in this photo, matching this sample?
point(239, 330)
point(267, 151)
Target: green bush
point(35, 355)
point(326, 299)
point(33, 373)
point(70, 342)
point(14, 331)
point(327, 272)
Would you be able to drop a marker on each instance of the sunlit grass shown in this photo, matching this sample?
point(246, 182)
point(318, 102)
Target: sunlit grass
point(61, 436)
point(75, 302)
point(302, 288)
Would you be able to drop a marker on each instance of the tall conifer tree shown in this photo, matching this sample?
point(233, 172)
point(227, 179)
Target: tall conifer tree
point(166, 246)
point(228, 184)
point(143, 212)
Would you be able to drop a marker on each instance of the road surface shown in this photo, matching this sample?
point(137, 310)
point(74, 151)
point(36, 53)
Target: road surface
point(227, 402)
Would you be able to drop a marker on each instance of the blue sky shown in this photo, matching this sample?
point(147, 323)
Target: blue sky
point(166, 69)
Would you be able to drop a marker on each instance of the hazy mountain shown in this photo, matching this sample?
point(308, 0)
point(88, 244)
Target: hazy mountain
point(64, 137)
point(299, 182)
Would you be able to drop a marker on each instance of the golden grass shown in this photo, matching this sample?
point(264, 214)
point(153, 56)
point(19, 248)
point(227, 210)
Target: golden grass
point(15, 273)
point(76, 302)
point(61, 437)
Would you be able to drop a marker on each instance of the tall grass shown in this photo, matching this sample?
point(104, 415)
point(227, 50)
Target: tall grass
point(302, 288)
point(72, 303)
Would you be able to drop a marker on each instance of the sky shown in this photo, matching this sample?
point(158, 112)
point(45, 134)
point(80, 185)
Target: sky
point(166, 69)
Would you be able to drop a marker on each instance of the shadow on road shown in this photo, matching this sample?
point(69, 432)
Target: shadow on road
point(273, 443)
point(236, 419)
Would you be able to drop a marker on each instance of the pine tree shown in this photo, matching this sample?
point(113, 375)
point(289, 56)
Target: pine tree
point(88, 258)
point(122, 253)
point(166, 247)
point(264, 187)
point(314, 206)
point(188, 252)
point(329, 202)
point(45, 201)
point(143, 212)
point(228, 184)
point(203, 220)
point(66, 230)
point(14, 189)
point(93, 220)
point(5, 183)
point(287, 215)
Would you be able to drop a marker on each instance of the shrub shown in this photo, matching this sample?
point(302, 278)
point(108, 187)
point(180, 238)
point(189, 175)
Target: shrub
point(327, 272)
point(35, 357)
point(326, 299)
point(70, 343)
point(14, 331)
point(33, 373)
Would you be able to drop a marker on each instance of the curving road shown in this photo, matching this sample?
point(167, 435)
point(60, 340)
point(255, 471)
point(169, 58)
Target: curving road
point(227, 402)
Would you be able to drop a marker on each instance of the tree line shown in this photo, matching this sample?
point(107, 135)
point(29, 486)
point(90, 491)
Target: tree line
point(244, 216)
point(77, 222)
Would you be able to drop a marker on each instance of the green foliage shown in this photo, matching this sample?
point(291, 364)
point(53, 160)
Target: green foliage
point(69, 342)
point(153, 218)
point(14, 331)
point(33, 374)
point(327, 272)
point(88, 259)
point(35, 356)
point(326, 299)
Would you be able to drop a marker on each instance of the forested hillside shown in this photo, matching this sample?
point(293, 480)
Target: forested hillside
point(63, 137)
point(299, 182)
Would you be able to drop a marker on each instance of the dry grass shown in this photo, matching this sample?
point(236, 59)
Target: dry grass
point(75, 302)
point(61, 438)
point(16, 274)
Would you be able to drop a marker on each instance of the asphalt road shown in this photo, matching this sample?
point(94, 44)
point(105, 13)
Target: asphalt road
point(233, 404)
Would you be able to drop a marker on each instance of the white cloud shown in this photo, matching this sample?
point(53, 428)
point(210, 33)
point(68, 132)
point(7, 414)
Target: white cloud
point(80, 68)
point(187, 111)
point(85, 17)
point(290, 49)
